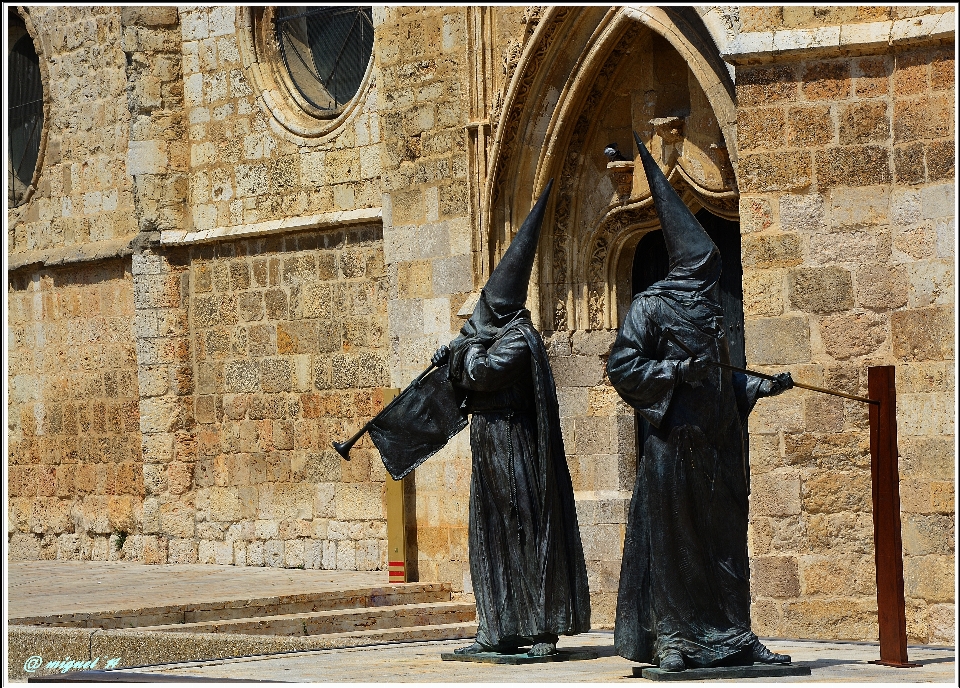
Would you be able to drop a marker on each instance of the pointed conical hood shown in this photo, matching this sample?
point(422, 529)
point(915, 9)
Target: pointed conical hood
point(507, 287)
point(505, 293)
point(691, 250)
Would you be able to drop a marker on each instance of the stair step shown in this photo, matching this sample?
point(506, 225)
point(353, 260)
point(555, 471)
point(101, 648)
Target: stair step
point(330, 622)
point(449, 631)
point(138, 648)
point(387, 595)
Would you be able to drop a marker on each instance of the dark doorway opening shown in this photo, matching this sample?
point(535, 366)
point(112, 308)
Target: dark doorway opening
point(651, 263)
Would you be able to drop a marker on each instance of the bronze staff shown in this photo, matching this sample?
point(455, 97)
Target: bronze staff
point(669, 335)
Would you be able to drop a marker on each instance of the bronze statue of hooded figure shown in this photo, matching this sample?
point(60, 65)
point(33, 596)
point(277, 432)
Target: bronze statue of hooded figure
point(684, 595)
point(526, 558)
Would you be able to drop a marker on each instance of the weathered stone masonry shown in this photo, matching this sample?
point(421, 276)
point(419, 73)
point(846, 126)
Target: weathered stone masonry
point(209, 284)
point(424, 71)
point(847, 200)
point(74, 460)
point(84, 194)
point(254, 356)
point(74, 456)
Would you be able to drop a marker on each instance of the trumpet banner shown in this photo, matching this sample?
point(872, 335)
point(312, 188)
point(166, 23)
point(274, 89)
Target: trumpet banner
point(419, 423)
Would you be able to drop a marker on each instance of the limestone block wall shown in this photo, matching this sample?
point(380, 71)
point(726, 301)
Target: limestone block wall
point(255, 356)
point(75, 469)
point(786, 17)
point(158, 150)
point(595, 434)
point(245, 166)
point(74, 455)
point(84, 193)
point(599, 436)
point(423, 102)
point(165, 379)
point(847, 179)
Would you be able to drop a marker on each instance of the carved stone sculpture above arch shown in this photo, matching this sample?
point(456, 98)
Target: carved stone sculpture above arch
point(588, 76)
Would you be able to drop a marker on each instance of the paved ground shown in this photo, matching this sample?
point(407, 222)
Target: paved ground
point(833, 662)
point(38, 588)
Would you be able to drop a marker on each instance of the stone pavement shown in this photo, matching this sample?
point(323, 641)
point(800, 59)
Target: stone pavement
point(37, 588)
point(132, 615)
point(50, 587)
point(833, 662)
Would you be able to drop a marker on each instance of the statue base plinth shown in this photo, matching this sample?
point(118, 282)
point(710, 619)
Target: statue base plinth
point(707, 673)
point(519, 658)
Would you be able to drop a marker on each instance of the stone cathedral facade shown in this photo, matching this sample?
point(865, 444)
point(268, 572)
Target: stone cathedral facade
point(217, 266)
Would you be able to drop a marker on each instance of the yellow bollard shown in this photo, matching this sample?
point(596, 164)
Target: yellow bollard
point(396, 523)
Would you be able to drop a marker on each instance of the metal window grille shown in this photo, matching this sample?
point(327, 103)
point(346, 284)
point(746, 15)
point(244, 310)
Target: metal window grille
point(24, 116)
point(326, 51)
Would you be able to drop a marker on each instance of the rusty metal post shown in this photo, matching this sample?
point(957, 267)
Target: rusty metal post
point(888, 546)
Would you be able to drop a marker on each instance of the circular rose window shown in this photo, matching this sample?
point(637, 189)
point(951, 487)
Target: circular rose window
point(24, 111)
point(326, 51)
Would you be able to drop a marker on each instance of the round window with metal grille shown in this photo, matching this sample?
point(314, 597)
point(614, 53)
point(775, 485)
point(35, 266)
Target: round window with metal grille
point(326, 51)
point(24, 111)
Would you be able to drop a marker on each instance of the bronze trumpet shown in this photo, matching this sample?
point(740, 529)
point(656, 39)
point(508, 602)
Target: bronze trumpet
point(343, 448)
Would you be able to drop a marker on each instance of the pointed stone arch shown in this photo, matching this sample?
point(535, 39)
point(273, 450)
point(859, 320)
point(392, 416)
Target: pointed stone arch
point(565, 75)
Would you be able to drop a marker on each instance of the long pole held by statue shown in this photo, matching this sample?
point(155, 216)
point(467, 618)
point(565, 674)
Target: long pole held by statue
point(884, 474)
point(672, 337)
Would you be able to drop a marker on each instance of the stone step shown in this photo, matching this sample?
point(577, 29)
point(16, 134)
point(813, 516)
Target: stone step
point(446, 631)
point(134, 647)
point(335, 621)
point(244, 608)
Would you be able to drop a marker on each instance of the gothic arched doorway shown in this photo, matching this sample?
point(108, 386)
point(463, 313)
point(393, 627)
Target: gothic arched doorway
point(651, 263)
point(586, 77)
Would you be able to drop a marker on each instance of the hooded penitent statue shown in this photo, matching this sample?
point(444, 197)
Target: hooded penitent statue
point(526, 559)
point(685, 584)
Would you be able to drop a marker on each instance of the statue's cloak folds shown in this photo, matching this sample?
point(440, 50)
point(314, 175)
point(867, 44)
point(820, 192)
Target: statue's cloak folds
point(526, 557)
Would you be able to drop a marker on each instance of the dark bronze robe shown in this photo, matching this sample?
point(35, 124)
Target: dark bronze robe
point(526, 558)
point(685, 580)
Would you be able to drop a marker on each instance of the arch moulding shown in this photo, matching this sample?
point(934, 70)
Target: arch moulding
point(562, 77)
